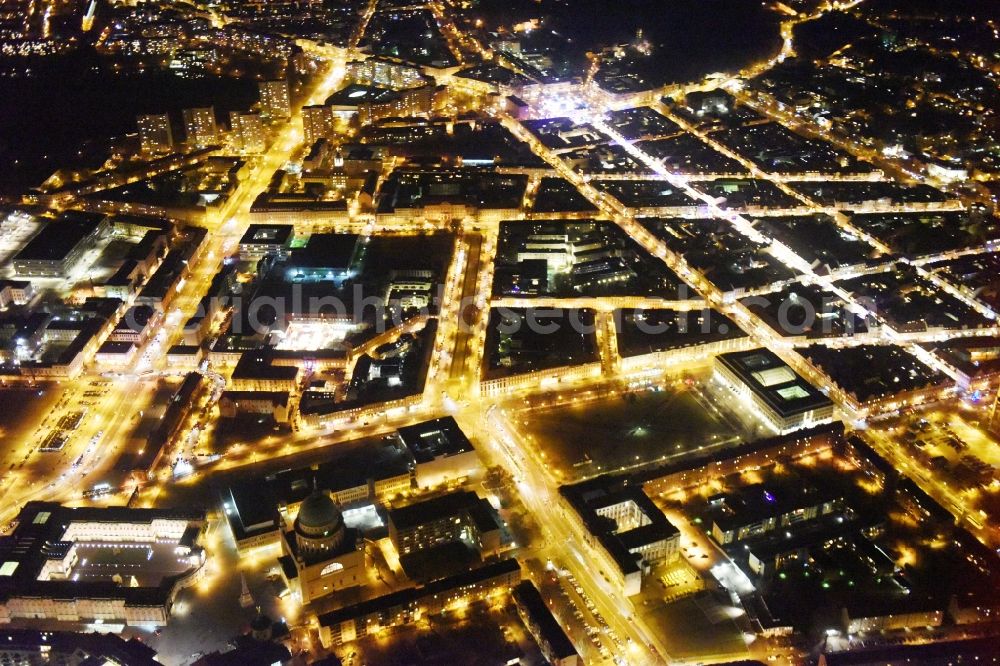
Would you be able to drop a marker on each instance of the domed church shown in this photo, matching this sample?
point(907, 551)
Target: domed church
point(319, 526)
point(320, 554)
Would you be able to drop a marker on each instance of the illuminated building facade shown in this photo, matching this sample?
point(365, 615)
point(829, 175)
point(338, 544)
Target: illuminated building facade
point(406, 606)
point(780, 395)
point(625, 528)
point(320, 554)
point(199, 127)
point(317, 123)
point(57, 248)
point(98, 565)
point(385, 73)
point(275, 100)
point(459, 516)
point(155, 135)
point(372, 103)
point(248, 132)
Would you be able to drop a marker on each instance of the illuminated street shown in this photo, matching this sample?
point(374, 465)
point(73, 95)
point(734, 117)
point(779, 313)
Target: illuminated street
point(448, 324)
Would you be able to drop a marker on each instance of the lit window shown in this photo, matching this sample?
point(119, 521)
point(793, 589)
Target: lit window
point(330, 568)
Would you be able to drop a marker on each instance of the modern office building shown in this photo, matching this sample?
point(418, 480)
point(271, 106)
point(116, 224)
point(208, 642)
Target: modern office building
point(781, 396)
point(200, 129)
point(980, 650)
point(261, 240)
point(275, 100)
point(758, 509)
point(59, 245)
point(155, 135)
point(441, 452)
point(460, 516)
point(325, 257)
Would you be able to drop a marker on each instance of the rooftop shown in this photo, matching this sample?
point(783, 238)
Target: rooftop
point(445, 506)
point(356, 94)
point(267, 234)
point(528, 597)
point(327, 250)
point(40, 536)
point(58, 238)
point(770, 378)
point(434, 439)
point(587, 497)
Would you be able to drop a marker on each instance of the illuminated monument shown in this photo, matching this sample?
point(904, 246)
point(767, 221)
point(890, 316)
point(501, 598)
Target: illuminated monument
point(320, 554)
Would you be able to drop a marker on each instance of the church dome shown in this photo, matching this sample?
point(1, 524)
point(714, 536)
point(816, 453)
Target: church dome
point(320, 531)
point(318, 516)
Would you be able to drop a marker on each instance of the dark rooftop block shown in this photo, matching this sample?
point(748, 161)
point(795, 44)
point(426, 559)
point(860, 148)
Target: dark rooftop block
point(973, 650)
point(356, 94)
point(58, 238)
point(430, 510)
point(770, 378)
point(872, 372)
point(644, 331)
point(322, 250)
point(432, 439)
point(270, 234)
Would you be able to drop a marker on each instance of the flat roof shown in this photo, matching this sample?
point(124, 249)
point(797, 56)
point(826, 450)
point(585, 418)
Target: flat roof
point(267, 234)
point(434, 439)
point(141, 250)
point(326, 250)
point(38, 538)
point(94, 647)
point(136, 318)
point(112, 347)
point(356, 94)
point(759, 501)
point(275, 397)
point(250, 509)
point(183, 350)
point(341, 472)
point(253, 365)
point(588, 496)
point(430, 510)
point(59, 238)
point(771, 379)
